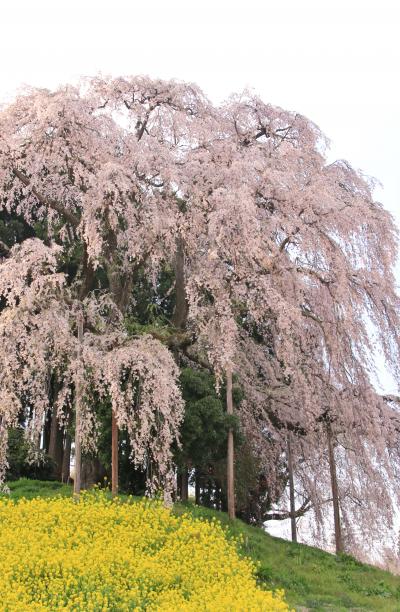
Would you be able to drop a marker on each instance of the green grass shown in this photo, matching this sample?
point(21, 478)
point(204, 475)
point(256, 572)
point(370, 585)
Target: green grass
point(312, 579)
point(24, 487)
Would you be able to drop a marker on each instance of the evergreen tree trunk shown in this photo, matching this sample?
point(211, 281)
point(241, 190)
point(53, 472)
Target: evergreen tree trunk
point(114, 455)
point(56, 445)
point(184, 485)
point(65, 472)
point(230, 455)
point(46, 431)
point(335, 492)
point(78, 400)
point(179, 485)
point(197, 487)
point(291, 491)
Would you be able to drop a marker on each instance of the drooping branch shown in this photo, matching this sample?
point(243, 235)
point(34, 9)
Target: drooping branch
point(69, 216)
point(88, 274)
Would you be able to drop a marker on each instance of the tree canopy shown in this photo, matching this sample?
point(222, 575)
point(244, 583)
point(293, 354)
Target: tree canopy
point(264, 258)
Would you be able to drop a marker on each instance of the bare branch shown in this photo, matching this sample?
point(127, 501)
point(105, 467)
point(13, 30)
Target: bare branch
point(286, 514)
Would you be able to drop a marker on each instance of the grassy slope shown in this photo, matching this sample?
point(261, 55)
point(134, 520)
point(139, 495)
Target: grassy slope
point(311, 578)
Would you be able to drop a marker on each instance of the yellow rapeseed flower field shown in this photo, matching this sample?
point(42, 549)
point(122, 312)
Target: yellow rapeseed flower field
point(98, 554)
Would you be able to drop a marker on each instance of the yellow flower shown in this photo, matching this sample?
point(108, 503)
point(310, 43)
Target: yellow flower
point(100, 555)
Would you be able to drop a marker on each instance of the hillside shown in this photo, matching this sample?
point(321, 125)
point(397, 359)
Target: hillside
point(311, 578)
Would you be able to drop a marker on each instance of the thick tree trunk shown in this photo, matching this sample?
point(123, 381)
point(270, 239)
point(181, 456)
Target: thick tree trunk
point(114, 455)
point(92, 472)
point(78, 400)
point(230, 455)
point(335, 491)
point(291, 490)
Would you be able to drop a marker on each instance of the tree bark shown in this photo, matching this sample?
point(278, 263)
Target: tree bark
point(184, 485)
point(197, 488)
point(92, 472)
point(65, 472)
point(114, 454)
point(66, 460)
point(56, 445)
point(291, 490)
point(46, 432)
point(335, 492)
point(78, 400)
point(230, 455)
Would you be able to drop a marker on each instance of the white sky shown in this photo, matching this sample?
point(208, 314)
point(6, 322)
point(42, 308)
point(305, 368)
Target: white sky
point(335, 61)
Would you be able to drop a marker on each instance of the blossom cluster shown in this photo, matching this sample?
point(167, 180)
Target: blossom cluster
point(99, 554)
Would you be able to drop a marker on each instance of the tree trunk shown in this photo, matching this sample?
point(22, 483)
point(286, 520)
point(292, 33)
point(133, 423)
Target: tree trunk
point(114, 455)
point(56, 445)
point(197, 488)
point(65, 472)
point(335, 491)
point(230, 455)
point(46, 431)
point(92, 472)
point(184, 485)
point(291, 490)
point(78, 400)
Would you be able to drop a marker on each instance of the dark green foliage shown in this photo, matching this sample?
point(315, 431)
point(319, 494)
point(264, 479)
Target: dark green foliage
point(13, 229)
point(204, 434)
point(131, 480)
point(17, 457)
point(154, 303)
point(205, 427)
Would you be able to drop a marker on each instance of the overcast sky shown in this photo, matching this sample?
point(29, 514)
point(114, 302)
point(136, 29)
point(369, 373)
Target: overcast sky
point(337, 62)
